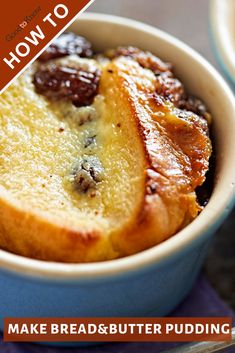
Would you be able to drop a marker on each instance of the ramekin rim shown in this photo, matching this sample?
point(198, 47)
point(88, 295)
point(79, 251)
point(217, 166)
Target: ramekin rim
point(222, 50)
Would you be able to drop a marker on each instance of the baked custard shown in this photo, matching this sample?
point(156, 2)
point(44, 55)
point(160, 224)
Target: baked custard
point(100, 154)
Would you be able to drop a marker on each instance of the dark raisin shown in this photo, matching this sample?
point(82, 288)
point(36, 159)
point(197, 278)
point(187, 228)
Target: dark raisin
point(59, 82)
point(171, 89)
point(90, 140)
point(144, 58)
point(67, 44)
point(87, 174)
point(194, 104)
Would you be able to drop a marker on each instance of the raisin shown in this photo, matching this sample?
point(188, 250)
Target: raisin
point(67, 44)
point(87, 174)
point(144, 58)
point(59, 82)
point(171, 89)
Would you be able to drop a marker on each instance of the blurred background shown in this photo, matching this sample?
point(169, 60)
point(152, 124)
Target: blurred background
point(188, 20)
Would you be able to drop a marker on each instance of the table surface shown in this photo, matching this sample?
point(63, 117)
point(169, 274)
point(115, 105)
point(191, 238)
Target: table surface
point(188, 20)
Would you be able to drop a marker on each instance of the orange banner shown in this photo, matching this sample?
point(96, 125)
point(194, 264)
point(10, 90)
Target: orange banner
point(27, 27)
point(117, 329)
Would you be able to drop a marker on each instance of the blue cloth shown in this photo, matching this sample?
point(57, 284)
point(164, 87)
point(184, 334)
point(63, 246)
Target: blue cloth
point(202, 301)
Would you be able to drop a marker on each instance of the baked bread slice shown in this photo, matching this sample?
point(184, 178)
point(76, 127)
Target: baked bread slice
point(81, 184)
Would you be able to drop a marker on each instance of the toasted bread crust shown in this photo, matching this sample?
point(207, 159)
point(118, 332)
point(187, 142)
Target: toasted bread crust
point(169, 202)
point(174, 151)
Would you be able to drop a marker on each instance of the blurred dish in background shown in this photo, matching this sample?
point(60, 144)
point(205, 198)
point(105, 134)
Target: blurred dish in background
point(223, 30)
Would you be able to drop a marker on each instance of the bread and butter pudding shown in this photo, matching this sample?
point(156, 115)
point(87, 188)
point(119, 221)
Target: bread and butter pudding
point(100, 154)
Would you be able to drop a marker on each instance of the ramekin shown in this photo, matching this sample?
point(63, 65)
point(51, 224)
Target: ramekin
point(222, 21)
point(152, 282)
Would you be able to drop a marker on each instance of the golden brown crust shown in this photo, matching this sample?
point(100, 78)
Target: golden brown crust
point(175, 141)
point(28, 234)
point(174, 151)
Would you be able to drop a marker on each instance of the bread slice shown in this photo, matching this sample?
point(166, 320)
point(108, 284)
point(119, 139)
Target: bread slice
point(146, 157)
